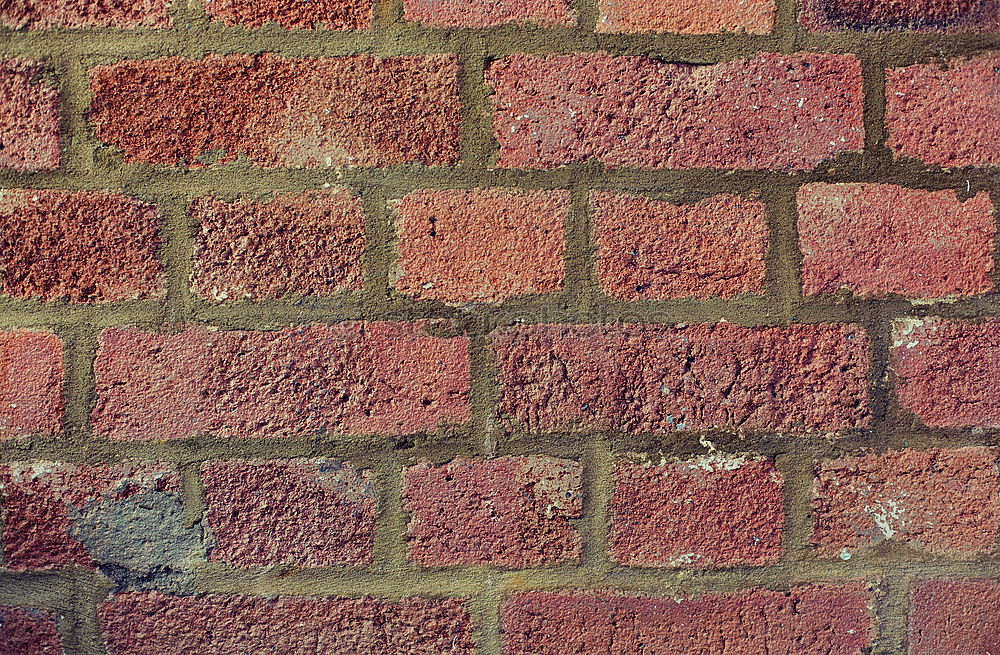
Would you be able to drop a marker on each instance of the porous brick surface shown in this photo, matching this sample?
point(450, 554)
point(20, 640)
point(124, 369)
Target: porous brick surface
point(954, 617)
point(686, 16)
point(40, 14)
point(655, 378)
point(937, 500)
point(917, 15)
point(656, 249)
point(31, 381)
point(782, 112)
point(293, 14)
point(302, 512)
point(292, 244)
point(29, 117)
point(509, 512)
point(29, 631)
point(881, 239)
point(381, 377)
point(486, 13)
point(481, 245)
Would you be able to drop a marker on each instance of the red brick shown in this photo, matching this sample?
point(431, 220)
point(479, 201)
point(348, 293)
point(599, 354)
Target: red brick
point(711, 512)
point(31, 379)
point(280, 112)
point(508, 512)
point(808, 620)
point(881, 239)
point(154, 624)
point(293, 14)
point(954, 617)
point(483, 13)
point(78, 246)
point(29, 117)
point(946, 371)
point(40, 498)
point(687, 16)
point(659, 378)
point(945, 114)
point(783, 112)
point(303, 512)
point(28, 631)
point(39, 14)
point(343, 379)
point(937, 500)
point(296, 243)
point(918, 15)
point(481, 245)
point(655, 249)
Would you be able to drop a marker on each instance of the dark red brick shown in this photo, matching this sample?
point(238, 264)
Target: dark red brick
point(954, 617)
point(881, 239)
point(29, 631)
point(155, 624)
point(38, 14)
point(938, 500)
point(346, 378)
point(78, 246)
point(711, 512)
point(481, 245)
point(919, 15)
point(808, 620)
point(486, 13)
point(658, 378)
point(656, 249)
point(302, 512)
point(687, 16)
point(31, 379)
point(509, 512)
point(782, 112)
point(29, 117)
point(293, 14)
point(296, 243)
point(280, 112)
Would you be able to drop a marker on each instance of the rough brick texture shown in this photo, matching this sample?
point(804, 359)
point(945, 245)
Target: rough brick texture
point(711, 512)
point(29, 117)
point(487, 13)
point(657, 250)
point(945, 113)
point(938, 500)
point(881, 239)
point(783, 112)
point(954, 617)
point(304, 512)
point(28, 631)
point(686, 16)
point(509, 512)
point(813, 620)
point(37, 14)
point(154, 624)
point(293, 244)
point(82, 246)
point(293, 14)
point(481, 245)
point(31, 379)
point(348, 378)
point(946, 371)
point(655, 378)
point(279, 112)
point(918, 15)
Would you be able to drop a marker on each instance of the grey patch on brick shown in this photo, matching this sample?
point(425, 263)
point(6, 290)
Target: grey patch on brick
point(140, 542)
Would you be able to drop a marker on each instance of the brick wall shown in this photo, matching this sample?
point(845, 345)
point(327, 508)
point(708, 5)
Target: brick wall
point(507, 327)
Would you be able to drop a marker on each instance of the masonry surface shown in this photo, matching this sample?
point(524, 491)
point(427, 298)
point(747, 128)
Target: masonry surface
point(499, 327)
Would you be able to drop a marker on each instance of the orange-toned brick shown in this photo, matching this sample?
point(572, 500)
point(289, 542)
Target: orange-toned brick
point(687, 16)
point(38, 14)
point(489, 13)
point(293, 14)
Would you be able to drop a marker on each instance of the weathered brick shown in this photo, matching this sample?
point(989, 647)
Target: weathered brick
point(78, 246)
point(808, 620)
point(710, 512)
point(280, 112)
point(881, 239)
point(296, 243)
point(39, 14)
point(938, 500)
point(347, 378)
point(954, 617)
point(293, 14)
point(656, 249)
point(658, 378)
point(31, 398)
point(303, 512)
point(783, 112)
point(481, 245)
point(945, 114)
point(687, 16)
point(918, 15)
point(154, 624)
point(29, 117)
point(486, 13)
point(29, 631)
point(946, 371)
point(508, 512)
